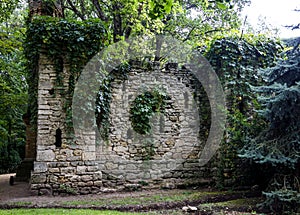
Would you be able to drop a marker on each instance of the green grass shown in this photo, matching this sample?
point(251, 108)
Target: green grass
point(223, 207)
point(60, 211)
point(235, 203)
point(144, 199)
point(140, 199)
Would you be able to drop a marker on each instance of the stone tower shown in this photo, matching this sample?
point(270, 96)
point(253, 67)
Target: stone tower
point(62, 164)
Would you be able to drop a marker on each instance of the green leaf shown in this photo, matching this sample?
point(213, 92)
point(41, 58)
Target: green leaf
point(221, 6)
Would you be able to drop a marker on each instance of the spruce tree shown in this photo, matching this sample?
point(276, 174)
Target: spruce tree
point(278, 146)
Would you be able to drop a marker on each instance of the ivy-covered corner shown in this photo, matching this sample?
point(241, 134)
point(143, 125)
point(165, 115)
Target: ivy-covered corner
point(57, 50)
point(238, 62)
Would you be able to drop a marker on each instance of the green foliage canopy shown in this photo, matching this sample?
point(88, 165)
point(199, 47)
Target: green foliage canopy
point(13, 96)
point(7, 7)
point(194, 20)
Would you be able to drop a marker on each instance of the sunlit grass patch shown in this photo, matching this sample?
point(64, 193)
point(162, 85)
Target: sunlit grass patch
point(60, 211)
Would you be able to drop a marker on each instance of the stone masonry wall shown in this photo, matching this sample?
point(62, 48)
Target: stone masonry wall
point(62, 165)
point(168, 156)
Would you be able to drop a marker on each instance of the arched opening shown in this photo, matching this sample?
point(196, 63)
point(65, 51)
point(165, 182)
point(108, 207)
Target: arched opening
point(58, 137)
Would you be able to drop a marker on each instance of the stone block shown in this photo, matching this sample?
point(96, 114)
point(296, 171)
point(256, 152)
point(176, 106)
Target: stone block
point(74, 158)
point(40, 167)
point(132, 187)
point(74, 178)
point(77, 152)
point(45, 192)
point(44, 112)
point(98, 183)
point(190, 165)
point(89, 163)
point(86, 178)
point(81, 169)
point(54, 170)
point(53, 179)
point(88, 156)
point(43, 132)
point(61, 157)
point(92, 168)
point(91, 148)
point(95, 189)
point(97, 176)
point(46, 155)
point(76, 163)
point(62, 164)
point(111, 165)
point(66, 152)
point(62, 179)
point(67, 169)
point(81, 184)
point(38, 178)
point(85, 190)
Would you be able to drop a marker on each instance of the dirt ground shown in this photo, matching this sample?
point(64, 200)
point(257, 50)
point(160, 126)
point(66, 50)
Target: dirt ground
point(18, 190)
point(19, 195)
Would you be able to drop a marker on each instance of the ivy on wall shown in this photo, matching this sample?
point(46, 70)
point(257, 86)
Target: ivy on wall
point(65, 42)
point(104, 98)
point(144, 107)
point(237, 61)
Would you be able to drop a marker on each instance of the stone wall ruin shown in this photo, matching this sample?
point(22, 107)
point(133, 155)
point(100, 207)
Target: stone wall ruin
point(175, 141)
point(82, 166)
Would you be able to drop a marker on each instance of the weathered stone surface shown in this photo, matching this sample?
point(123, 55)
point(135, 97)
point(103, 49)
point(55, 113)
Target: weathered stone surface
point(81, 169)
point(86, 178)
point(132, 187)
point(40, 167)
point(62, 164)
point(127, 156)
point(67, 170)
point(60, 159)
point(45, 192)
point(46, 155)
point(53, 179)
point(54, 170)
point(111, 165)
point(38, 178)
point(174, 134)
point(77, 152)
point(98, 183)
point(88, 156)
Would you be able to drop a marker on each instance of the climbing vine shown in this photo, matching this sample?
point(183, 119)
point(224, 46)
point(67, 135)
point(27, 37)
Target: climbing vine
point(144, 107)
point(238, 61)
point(64, 42)
point(104, 94)
point(103, 98)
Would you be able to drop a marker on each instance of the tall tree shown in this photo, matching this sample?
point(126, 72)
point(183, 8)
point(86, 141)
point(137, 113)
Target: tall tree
point(13, 89)
point(278, 146)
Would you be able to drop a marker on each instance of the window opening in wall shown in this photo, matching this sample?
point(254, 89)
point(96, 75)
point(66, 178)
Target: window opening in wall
point(58, 138)
point(51, 91)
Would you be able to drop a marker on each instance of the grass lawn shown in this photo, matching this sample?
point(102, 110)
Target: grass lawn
point(179, 195)
point(61, 211)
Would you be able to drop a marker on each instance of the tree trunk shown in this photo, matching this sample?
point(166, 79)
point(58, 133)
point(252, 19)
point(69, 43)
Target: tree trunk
point(45, 8)
point(117, 22)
